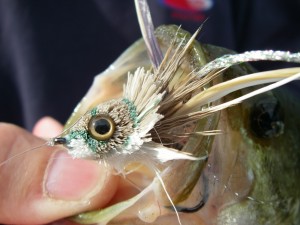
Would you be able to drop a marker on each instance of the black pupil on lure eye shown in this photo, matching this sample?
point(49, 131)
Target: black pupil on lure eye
point(102, 126)
point(267, 119)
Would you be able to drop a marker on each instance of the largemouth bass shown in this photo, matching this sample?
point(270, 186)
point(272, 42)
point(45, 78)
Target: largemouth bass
point(251, 174)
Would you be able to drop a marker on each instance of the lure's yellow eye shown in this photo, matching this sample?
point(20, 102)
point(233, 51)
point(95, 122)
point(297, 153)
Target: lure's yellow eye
point(101, 127)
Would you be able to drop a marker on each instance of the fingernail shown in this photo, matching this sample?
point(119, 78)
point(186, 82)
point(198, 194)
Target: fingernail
point(72, 179)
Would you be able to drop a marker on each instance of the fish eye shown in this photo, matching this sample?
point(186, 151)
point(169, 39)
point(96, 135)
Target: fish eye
point(267, 118)
point(101, 127)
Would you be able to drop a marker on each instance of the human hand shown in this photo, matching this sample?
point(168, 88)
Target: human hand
point(46, 184)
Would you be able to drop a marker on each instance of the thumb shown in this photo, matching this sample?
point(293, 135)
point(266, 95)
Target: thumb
point(45, 184)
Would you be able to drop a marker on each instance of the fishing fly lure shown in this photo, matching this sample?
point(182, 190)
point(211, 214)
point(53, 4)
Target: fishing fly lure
point(158, 101)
